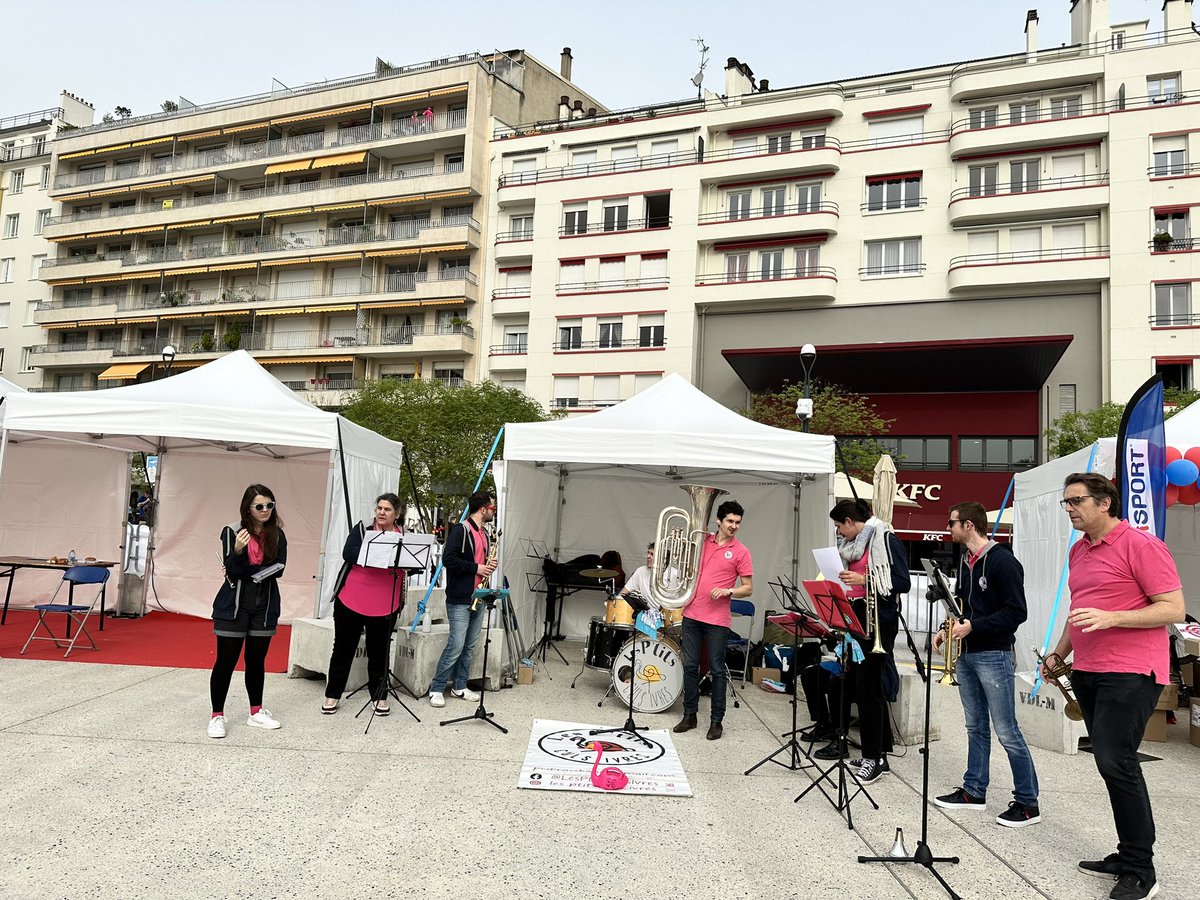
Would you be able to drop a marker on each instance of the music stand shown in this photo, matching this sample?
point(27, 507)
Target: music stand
point(834, 609)
point(630, 727)
point(489, 597)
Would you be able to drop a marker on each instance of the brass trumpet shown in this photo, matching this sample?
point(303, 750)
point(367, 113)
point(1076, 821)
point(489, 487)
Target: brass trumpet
point(951, 649)
point(493, 555)
point(872, 602)
point(1060, 674)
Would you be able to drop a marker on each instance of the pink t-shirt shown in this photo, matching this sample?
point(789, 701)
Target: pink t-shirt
point(1118, 572)
point(719, 568)
point(859, 566)
point(369, 591)
point(481, 549)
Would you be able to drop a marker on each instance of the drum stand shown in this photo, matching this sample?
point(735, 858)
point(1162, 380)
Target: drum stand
point(630, 727)
point(481, 713)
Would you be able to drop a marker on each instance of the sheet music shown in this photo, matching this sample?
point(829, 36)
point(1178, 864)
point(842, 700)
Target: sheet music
point(378, 550)
point(829, 561)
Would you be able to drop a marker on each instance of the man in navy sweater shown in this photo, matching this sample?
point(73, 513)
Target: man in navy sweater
point(991, 588)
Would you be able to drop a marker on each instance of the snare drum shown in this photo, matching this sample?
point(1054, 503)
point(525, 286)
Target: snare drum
point(672, 617)
point(603, 643)
point(618, 612)
point(659, 677)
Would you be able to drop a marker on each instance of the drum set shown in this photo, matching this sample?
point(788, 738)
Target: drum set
point(657, 682)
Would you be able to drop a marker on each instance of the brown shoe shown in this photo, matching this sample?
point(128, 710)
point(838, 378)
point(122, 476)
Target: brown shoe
point(715, 731)
point(687, 723)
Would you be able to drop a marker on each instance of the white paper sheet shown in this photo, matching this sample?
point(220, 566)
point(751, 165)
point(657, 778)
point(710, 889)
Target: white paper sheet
point(829, 561)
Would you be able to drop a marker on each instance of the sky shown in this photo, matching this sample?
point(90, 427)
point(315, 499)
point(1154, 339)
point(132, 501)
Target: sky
point(625, 53)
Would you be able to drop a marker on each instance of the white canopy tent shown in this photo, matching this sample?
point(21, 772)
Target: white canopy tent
point(598, 482)
point(1041, 531)
point(215, 429)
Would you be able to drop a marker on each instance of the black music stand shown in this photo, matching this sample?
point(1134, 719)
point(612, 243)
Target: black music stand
point(630, 727)
point(799, 621)
point(488, 596)
point(835, 611)
point(923, 856)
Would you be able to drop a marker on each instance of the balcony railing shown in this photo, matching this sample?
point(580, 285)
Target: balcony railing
point(1030, 187)
point(508, 349)
point(25, 151)
point(1022, 256)
point(586, 170)
point(325, 384)
point(823, 142)
point(1175, 320)
point(1168, 170)
point(646, 224)
point(32, 118)
point(525, 234)
point(243, 153)
point(882, 206)
point(769, 275)
point(767, 212)
point(893, 269)
point(616, 284)
point(623, 344)
point(1172, 245)
point(500, 293)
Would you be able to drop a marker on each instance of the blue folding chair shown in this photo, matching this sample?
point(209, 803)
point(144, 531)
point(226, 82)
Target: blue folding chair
point(741, 609)
point(76, 613)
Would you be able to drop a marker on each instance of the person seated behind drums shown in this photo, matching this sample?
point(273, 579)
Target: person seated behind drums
point(639, 582)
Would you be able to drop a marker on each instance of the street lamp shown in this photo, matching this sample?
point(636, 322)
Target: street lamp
point(168, 357)
point(804, 406)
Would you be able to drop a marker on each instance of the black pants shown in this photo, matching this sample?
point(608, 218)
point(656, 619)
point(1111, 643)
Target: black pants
point(828, 703)
point(874, 723)
point(348, 627)
point(228, 651)
point(1116, 707)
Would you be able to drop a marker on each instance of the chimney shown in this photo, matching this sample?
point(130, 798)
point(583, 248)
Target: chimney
point(739, 79)
point(564, 64)
point(1081, 21)
point(1090, 23)
point(591, 113)
point(764, 86)
point(1177, 19)
point(577, 110)
point(1031, 25)
point(564, 108)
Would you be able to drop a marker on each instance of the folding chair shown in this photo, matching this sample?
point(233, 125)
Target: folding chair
point(75, 612)
point(739, 609)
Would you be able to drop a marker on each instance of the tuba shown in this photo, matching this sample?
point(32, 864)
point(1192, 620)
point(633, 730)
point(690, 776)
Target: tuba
point(679, 542)
point(1059, 673)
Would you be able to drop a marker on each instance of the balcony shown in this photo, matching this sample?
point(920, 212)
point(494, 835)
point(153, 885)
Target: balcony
point(510, 292)
point(654, 223)
point(612, 286)
point(1173, 170)
point(567, 346)
point(589, 170)
point(1080, 123)
point(820, 157)
point(763, 222)
point(1018, 200)
point(1019, 73)
point(804, 283)
point(31, 150)
point(1034, 268)
point(1173, 245)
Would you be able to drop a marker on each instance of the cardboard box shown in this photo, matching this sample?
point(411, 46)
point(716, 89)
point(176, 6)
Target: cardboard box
point(1156, 728)
point(1169, 698)
point(758, 673)
point(1194, 730)
point(524, 674)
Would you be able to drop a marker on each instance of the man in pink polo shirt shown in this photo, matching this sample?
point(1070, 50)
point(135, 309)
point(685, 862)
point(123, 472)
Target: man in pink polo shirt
point(706, 618)
point(1125, 590)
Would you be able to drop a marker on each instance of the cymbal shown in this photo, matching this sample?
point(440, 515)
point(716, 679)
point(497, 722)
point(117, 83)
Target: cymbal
point(598, 573)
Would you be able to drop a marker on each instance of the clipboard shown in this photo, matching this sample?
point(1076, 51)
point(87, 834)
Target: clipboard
point(832, 605)
point(394, 550)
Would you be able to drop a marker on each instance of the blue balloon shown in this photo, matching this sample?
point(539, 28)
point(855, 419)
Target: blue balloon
point(1182, 472)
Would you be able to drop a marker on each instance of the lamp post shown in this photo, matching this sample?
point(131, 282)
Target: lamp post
point(168, 357)
point(804, 408)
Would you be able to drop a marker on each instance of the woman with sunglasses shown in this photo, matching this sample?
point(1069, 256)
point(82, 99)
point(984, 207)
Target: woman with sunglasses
point(246, 609)
point(365, 599)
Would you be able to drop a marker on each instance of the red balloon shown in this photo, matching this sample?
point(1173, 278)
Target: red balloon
point(1173, 453)
point(1189, 494)
point(1193, 455)
point(1172, 495)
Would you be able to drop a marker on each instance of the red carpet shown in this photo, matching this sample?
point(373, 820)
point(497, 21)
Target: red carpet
point(158, 639)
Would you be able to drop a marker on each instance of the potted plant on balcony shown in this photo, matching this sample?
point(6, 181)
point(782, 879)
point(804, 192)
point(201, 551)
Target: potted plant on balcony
point(171, 298)
point(207, 342)
point(232, 339)
point(1162, 241)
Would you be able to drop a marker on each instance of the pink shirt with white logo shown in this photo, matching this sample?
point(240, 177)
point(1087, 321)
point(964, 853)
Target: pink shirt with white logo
point(720, 567)
point(1119, 572)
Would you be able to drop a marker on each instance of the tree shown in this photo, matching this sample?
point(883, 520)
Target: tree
point(447, 431)
point(123, 111)
point(836, 411)
point(170, 106)
point(1073, 431)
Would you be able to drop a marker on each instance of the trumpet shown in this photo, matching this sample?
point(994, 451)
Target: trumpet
point(872, 603)
point(1060, 674)
point(493, 555)
point(950, 650)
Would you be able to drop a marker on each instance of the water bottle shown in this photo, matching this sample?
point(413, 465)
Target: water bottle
point(71, 557)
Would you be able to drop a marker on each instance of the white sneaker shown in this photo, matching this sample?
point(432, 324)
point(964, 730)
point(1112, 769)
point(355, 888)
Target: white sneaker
point(216, 727)
point(262, 719)
point(466, 694)
point(437, 698)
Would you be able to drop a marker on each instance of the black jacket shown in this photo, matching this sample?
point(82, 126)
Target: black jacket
point(238, 571)
point(458, 559)
point(993, 598)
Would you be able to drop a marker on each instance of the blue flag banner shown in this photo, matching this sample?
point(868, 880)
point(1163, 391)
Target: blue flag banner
point(1142, 460)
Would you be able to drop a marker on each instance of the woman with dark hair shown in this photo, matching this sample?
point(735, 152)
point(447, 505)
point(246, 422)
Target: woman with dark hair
point(247, 607)
point(365, 599)
point(876, 563)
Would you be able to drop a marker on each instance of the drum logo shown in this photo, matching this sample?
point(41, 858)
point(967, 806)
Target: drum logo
point(576, 745)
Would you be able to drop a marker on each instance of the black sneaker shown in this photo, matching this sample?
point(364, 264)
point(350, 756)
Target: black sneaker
point(1131, 887)
point(1018, 815)
point(1109, 867)
point(871, 770)
point(858, 763)
point(831, 751)
point(960, 799)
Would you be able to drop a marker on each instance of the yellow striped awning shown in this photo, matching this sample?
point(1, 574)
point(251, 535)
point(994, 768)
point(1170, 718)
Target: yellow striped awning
point(149, 141)
point(275, 263)
point(337, 257)
point(333, 207)
point(234, 219)
point(122, 371)
point(300, 211)
point(144, 229)
point(341, 159)
point(397, 305)
point(201, 135)
point(292, 360)
point(344, 307)
point(322, 114)
point(138, 321)
point(198, 223)
point(108, 278)
point(185, 316)
point(64, 283)
point(297, 166)
point(199, 270)
point(236, 267)
point(447, 248)
point(97, 234)
point(110, 191)
point(77, 154)
point(379, 254)
point(396, 201)
point(194, 180)
point(290, 311)
point(238, 129)
point(61, 325)
point(445, 194)
point(445, 92)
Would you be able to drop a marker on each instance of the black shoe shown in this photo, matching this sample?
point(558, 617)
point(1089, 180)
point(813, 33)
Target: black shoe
point(1109, 867)
point(687, 723)
point(817, 732)
point(1018, 815)
point(715, 730)
point(960, 799)
point(1131, 887)
point(831, 751)
point(871, 771)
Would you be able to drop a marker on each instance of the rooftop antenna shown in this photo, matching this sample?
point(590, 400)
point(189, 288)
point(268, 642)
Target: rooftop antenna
point(698, 78)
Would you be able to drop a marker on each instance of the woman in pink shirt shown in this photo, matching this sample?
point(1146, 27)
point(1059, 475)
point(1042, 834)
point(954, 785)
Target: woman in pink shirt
point(365, 599)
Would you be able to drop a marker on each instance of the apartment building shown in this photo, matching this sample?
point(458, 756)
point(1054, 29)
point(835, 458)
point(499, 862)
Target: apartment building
point(25, 207)
point(333, 230)
point(979, 247)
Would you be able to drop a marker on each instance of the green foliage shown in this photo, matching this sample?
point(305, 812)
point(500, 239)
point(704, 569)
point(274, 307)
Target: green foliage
point(170, 106)
point(836, 411)
point(447, 431)
point(1072, 431)
point(232, 339)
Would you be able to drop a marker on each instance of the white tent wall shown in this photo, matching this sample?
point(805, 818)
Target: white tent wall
point(199, 494)
point(55, 498)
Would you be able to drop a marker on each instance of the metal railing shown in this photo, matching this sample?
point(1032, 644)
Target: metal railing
point(1168, 170)
point(646, 224)
point(1172, 245)
point(1174, 320)
point(781, 274)
point(1045, 255)
point(585, 170)
point(893, 269)
point(616, 284)
point(623, 344)
point(25, 151)
point(37, 117)
point(1027, 187)
point(500, 293)
point(886, 206)
point(508, 349)
point(525, 234)
point(768, 212)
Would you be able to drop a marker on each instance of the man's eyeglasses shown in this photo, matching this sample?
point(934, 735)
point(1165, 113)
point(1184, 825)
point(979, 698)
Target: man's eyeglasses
point(1073, 502)
point(950, 523)
point(261, 506)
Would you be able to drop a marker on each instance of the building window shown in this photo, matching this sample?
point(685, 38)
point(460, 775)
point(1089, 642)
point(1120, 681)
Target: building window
point(6, 269)
point(651, 331)
point(915, 453)
point(997, 454)
point(616, 214)
point(516, 339)
point(518, 280)
point(774, 201)
point(808, 197)
point(811, 140)
point(606, 390)
point(39, 223)
point(35, 265)
point(894, 192)
point(45, 182)
point(566, 391)
point(1174, 223)
point(26, 359)
point(737, 266)
point(663, 152)
point(982, 180)
point(570, 337)
point(779, 143)
point(896, 257)
point(984, 116)
point(1024, 111)
point(575, 218)
point(1170, 156)
point(770, 265)
point(583, 158)
point(737, 203)
point(1023, 175)
point(745, 146)
point(1177, 375)
point(1117, 40)
point(610, 334)
point(16, 181)
point(12, 224)
point(570, 274)
point(808, 261)
point(1066, 107)
point(521, 227)
point(1066, 399)
point(4, 307)
point(449, 374)
point(888, 132)
point(658, 210)
point(624, 157)
point(1164, 88)
point(1173, 304)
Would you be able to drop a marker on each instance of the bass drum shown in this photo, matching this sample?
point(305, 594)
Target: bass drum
point(603, 643)
point(658, 681)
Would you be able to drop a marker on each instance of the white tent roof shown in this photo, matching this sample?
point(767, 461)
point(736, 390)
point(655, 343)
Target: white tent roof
point(230, 403)
point(671, 424)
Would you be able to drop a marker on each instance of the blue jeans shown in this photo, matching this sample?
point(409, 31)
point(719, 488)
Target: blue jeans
point(713, 638)
point(985, 685)
point(460, 648)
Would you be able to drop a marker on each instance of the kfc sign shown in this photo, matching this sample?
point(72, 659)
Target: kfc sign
point(918, 492)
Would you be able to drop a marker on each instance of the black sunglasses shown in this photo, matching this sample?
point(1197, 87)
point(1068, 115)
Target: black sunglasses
point(261, 506)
